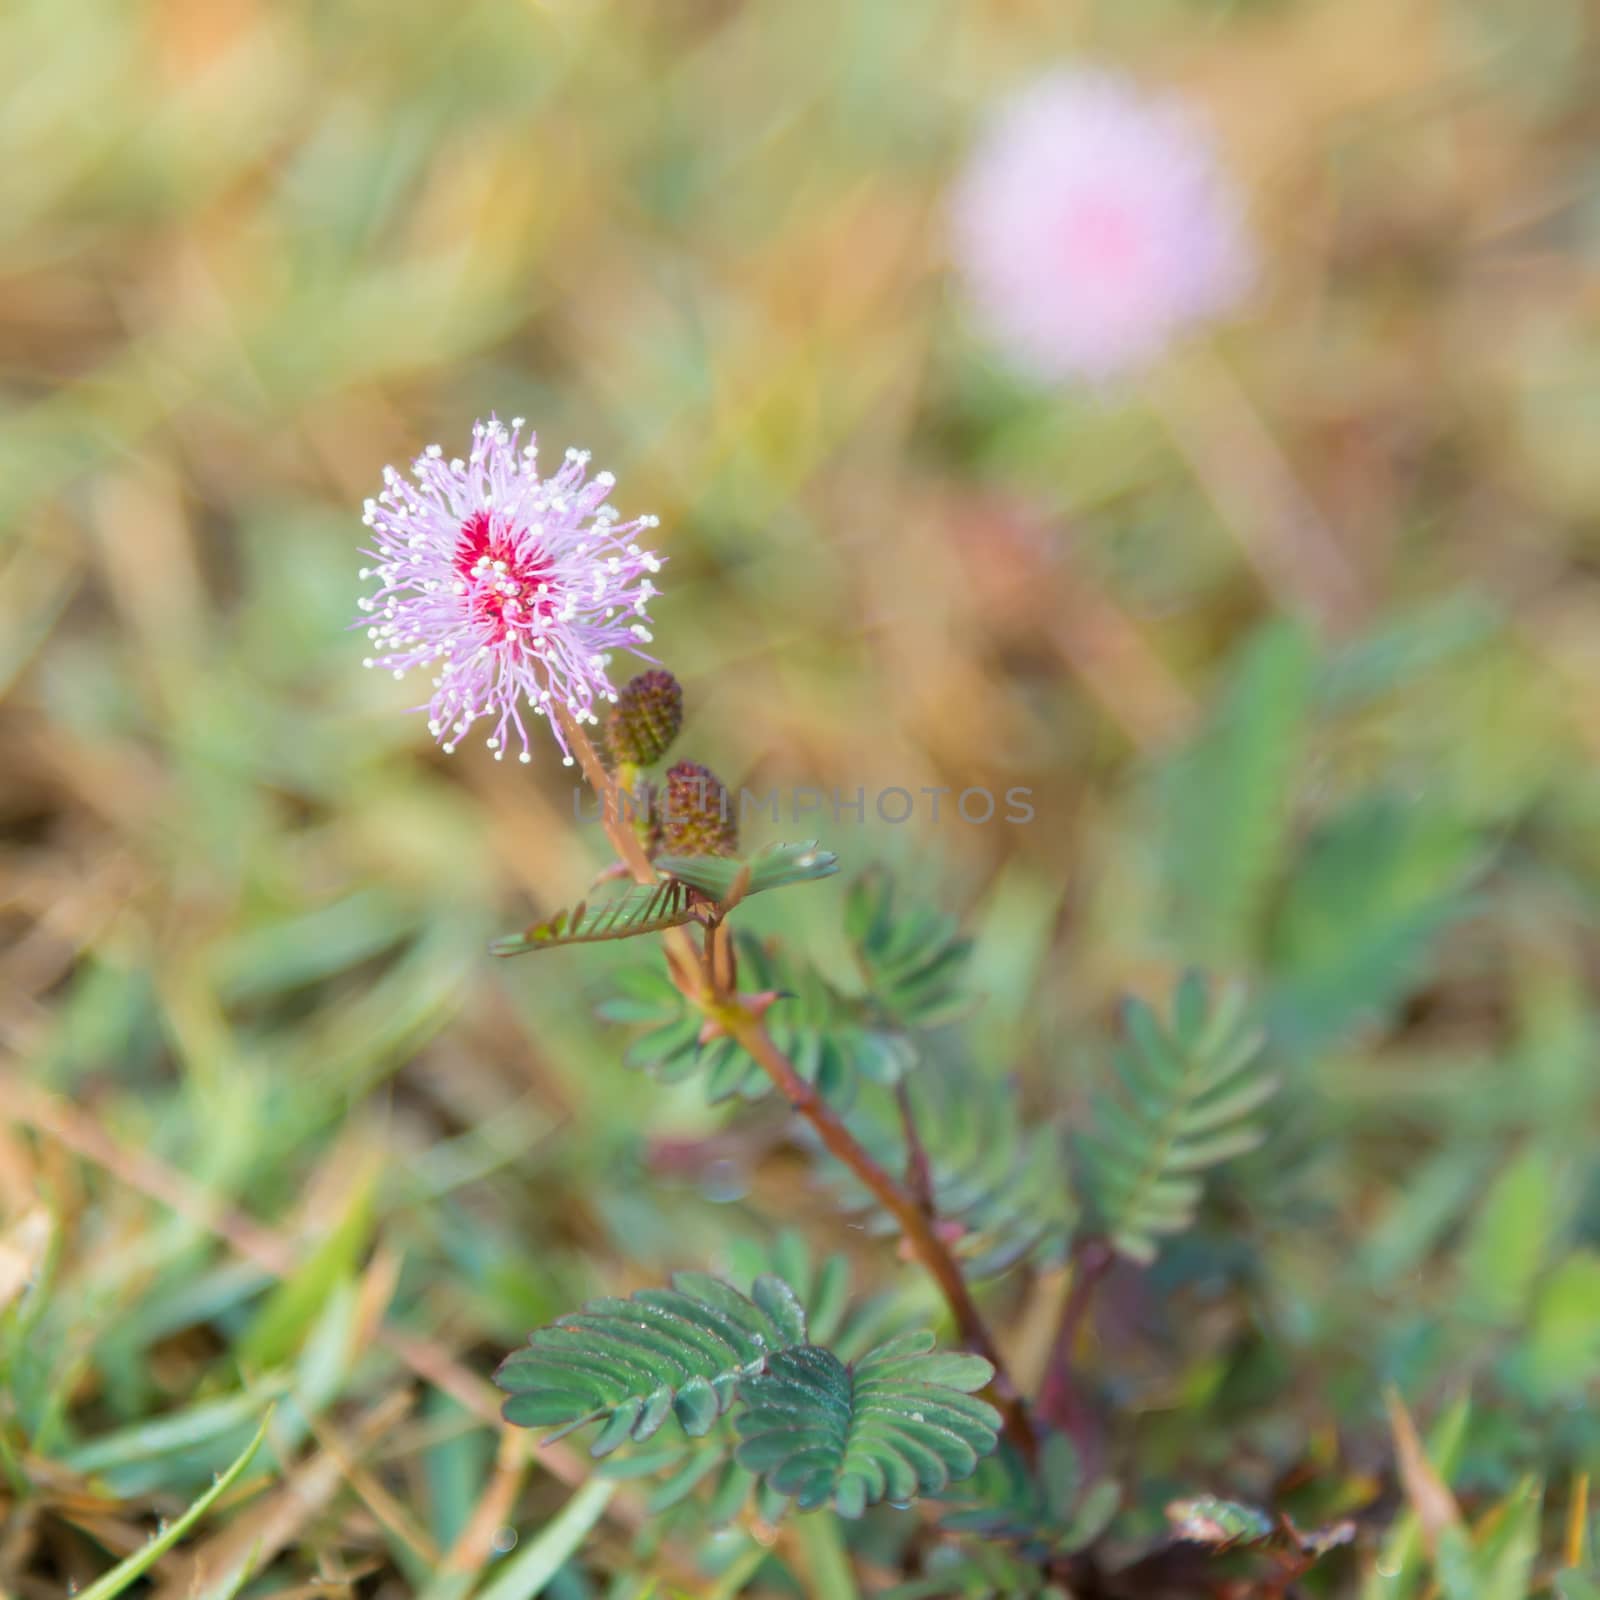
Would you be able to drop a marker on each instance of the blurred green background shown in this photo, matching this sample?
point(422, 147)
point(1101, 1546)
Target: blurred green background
point(272, 1122)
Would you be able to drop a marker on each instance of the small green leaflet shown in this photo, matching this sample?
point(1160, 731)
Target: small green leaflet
point(1189, 1091)
point(640, 908)
point(689, 882)
point(660, 1353)
point(901, 1421)
point(772, 868)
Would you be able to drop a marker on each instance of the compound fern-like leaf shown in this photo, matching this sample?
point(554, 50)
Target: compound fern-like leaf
point(773, 868)
point(703, 1469)
point(822, 1031)
point(639, 909)
point(899, 1422)
point(1188, 1094)
point(911, 959)
point(676, 1352)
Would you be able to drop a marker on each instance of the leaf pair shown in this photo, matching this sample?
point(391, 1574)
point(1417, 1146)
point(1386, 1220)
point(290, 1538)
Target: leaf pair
point(654, 907)
point(900, 1421)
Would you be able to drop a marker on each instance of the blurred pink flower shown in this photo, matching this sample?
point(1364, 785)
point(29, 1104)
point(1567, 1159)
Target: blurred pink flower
point(512, 589)
point(1093, 224)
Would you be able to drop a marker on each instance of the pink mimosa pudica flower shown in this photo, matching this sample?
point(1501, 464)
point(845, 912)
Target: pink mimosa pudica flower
point(1093, 224)
point(511, 589)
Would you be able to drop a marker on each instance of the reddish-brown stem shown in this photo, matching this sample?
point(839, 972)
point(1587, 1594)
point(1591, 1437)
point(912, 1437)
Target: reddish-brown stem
point(630, 851)
point(919, 1172)
point(916, 1222)
point(1059, 1401)
point(681, 953)
point(897, 1200)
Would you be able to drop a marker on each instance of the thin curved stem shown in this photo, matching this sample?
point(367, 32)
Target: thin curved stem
point(1060, 1402)
point(915, 1223)
point(623, 839)
point(919, 1170)
point(630, 850)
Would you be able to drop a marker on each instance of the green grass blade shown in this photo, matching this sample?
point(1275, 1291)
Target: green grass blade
point(827, 1561)
point(293, 1306)
point(196, 1425)
point(140, 1562)
point(1398, 1571)
point(527, 1572)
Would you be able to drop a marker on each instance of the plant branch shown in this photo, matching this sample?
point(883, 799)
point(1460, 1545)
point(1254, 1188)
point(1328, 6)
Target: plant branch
point(895, 1198)
point(623, 839)
point(681, 953)
point(919, 1171)
point(1059, 1400)
point(916, 1221)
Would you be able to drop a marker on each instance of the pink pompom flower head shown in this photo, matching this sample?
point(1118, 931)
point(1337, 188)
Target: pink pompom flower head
point(512, 589)
point(1093, 224)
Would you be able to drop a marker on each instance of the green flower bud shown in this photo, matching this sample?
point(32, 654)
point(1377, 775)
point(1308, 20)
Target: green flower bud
point(645, 720)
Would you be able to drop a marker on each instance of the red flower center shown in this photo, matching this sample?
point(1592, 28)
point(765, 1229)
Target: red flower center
point(510, 582)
